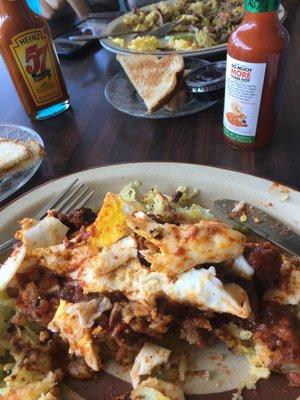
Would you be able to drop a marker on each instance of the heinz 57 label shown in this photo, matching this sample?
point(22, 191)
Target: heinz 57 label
point(243, 90)
point(35, 59)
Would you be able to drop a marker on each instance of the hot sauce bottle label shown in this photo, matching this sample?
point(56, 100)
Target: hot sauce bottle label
point(34, 56)
point(243, 90)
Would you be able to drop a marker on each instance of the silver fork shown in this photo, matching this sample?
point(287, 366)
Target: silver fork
point(158, 32)
point(163, 30)
point(70, 198)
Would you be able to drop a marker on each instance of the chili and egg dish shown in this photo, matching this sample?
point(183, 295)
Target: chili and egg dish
point(81, 288)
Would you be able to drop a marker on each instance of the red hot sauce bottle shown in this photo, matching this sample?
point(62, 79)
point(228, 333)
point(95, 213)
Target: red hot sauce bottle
point(254, 74)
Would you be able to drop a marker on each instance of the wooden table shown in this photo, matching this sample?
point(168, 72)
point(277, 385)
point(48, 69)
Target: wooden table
point(94, 133)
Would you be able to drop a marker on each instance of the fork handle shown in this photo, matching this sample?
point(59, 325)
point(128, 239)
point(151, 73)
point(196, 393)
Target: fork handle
point(74, 38)
point(4, 247)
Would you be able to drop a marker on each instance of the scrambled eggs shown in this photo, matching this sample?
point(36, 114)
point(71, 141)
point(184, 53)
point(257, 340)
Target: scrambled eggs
point(143, 43)
point(182, 44)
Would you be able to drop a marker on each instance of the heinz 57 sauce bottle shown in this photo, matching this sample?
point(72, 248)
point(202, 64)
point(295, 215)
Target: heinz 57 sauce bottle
point(29, 54)
point(254, 74)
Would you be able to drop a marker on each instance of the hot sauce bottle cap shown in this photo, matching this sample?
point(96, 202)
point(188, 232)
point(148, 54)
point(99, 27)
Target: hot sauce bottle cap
point(258, 6)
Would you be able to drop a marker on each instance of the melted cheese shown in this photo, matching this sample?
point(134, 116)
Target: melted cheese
point(179, 248)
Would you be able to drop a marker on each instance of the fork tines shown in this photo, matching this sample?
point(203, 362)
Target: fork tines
point(76, 199)
point(74, 196)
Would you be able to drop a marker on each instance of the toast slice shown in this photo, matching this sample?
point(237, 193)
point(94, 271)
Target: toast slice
point(12, 152)
point(155, 79)
point(36, 149)
point(13, 160)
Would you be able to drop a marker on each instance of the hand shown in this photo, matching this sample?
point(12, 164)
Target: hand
point(50, 7)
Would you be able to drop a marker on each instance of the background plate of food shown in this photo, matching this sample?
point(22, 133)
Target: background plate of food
point(100, 340)
point(21, 153)
point(206, 25)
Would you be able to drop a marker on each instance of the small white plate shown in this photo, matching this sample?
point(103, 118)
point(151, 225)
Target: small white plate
point(12, 182)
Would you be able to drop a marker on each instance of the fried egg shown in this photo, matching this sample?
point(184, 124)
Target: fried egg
point(71, 321)
point(66, 258)
point(199, 288)
point(33, 234)
point(175, 249)
point(147, 393)
point(39, 390)
point(203, 289)
point(11, 266)
point(88, 311)
point(18, 261)
point(110, 224)
point(168, 390)
point(45, 233)
point(242, 268)
point(149, 357)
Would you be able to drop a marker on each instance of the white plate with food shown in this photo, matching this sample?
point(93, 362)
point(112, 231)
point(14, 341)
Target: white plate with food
point(205, 29)
point(21, 153)
point(109, 302)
